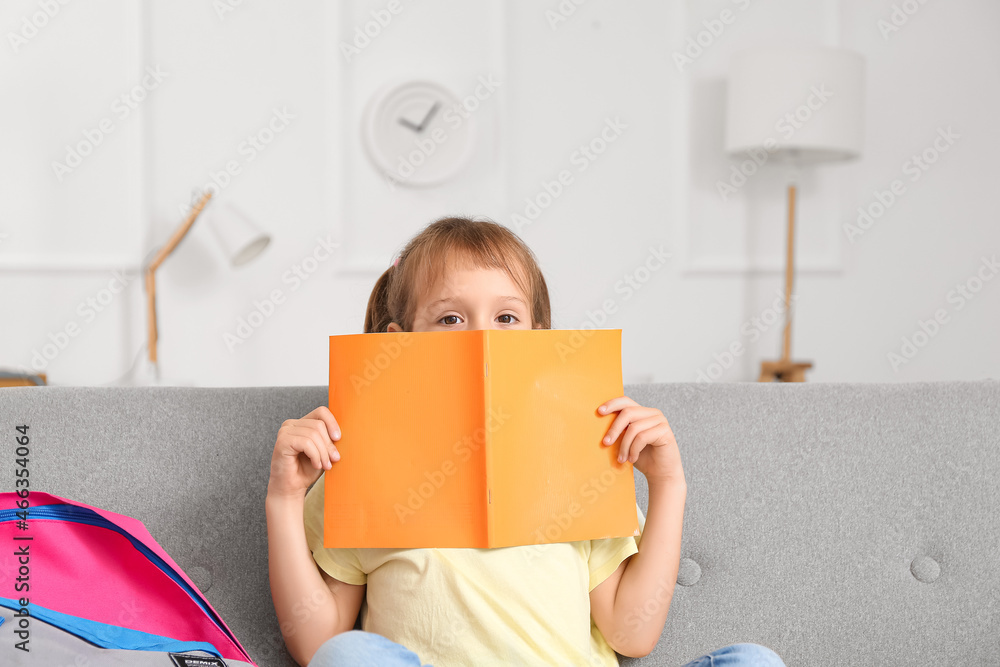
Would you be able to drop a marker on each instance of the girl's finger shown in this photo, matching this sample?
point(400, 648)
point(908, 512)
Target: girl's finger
point(636, 436)
point(314, 426)
point(625, 415)
point(311, 449)
point(323, 414)
point(626, 446)
point(315, 431)
point(306, 441)
point(647, 437)
point(323, 442)
point(322, 446)
point(614, 405)
point(298, 446)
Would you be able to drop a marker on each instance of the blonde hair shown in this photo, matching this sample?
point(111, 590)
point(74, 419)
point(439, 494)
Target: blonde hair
point(483, 244)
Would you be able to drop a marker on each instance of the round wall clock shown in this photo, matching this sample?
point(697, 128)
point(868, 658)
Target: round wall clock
point(418, 133)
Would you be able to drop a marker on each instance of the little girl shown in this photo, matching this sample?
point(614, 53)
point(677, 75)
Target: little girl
point(571, 603)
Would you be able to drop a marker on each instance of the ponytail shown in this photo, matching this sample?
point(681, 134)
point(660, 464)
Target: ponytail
point(377, 315)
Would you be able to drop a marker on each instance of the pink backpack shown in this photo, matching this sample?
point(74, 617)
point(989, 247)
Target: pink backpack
point(92, 582)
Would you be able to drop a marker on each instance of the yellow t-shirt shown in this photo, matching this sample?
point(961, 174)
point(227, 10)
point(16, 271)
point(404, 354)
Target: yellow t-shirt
point(526, 605)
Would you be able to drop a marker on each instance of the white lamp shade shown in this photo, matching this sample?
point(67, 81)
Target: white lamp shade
point(803, 104)
point(239, 237)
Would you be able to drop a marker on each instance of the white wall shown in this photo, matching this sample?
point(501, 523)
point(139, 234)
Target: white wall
point(654, 186)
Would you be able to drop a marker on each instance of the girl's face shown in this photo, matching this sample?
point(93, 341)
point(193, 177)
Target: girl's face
point(470, 298)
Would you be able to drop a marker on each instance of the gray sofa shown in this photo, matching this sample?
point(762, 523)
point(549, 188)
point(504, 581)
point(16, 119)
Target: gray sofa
point(839, 524)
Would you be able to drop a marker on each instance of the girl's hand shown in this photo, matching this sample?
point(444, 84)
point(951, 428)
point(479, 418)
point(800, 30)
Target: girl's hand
point(303, 451)
point(648, 442)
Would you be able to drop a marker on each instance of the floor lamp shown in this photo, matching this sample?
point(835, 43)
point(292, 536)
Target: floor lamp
point(799, 106)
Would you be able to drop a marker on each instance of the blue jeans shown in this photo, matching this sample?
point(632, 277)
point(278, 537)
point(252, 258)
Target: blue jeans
point(367, 649)
point(743, 655)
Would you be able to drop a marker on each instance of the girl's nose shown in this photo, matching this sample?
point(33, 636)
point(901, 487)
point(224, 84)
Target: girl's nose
point(478, 322)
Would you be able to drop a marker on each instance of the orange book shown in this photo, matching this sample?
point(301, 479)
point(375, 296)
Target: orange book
point(476, 439)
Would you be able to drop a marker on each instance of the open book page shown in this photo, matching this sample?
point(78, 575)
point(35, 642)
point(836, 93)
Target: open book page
point(412, 470)
point(551, 478)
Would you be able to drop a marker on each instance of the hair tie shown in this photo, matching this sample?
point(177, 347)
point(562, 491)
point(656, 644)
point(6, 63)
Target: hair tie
point(396, 262)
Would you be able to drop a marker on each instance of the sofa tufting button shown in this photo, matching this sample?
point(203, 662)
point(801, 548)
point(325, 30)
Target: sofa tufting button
point(688, 573)
point(925, 569)
point(201, 577)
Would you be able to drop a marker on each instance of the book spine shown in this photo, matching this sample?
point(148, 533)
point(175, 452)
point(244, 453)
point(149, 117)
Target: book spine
point(488, 438)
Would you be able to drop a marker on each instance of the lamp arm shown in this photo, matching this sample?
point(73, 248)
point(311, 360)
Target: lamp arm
point(154, 264)
point(180, 233)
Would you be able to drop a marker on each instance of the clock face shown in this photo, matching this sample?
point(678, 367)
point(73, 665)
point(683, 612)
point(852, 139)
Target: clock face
point(418, 133)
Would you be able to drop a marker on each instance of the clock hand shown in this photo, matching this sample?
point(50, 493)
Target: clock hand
point(403, 121)
point(427, 118)
point(423, 123)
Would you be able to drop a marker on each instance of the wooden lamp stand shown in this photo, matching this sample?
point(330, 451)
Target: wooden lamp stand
point(150, 272)
point(786, 370)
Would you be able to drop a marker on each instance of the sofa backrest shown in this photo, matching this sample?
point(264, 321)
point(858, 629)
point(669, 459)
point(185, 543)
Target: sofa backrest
point(835, 523)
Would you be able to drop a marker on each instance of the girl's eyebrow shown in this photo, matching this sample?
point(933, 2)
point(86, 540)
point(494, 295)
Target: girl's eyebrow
point(434, 304)
point(450, 299)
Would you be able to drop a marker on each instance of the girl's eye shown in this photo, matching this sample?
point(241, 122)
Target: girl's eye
point(512, 318)
point(448, 317)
